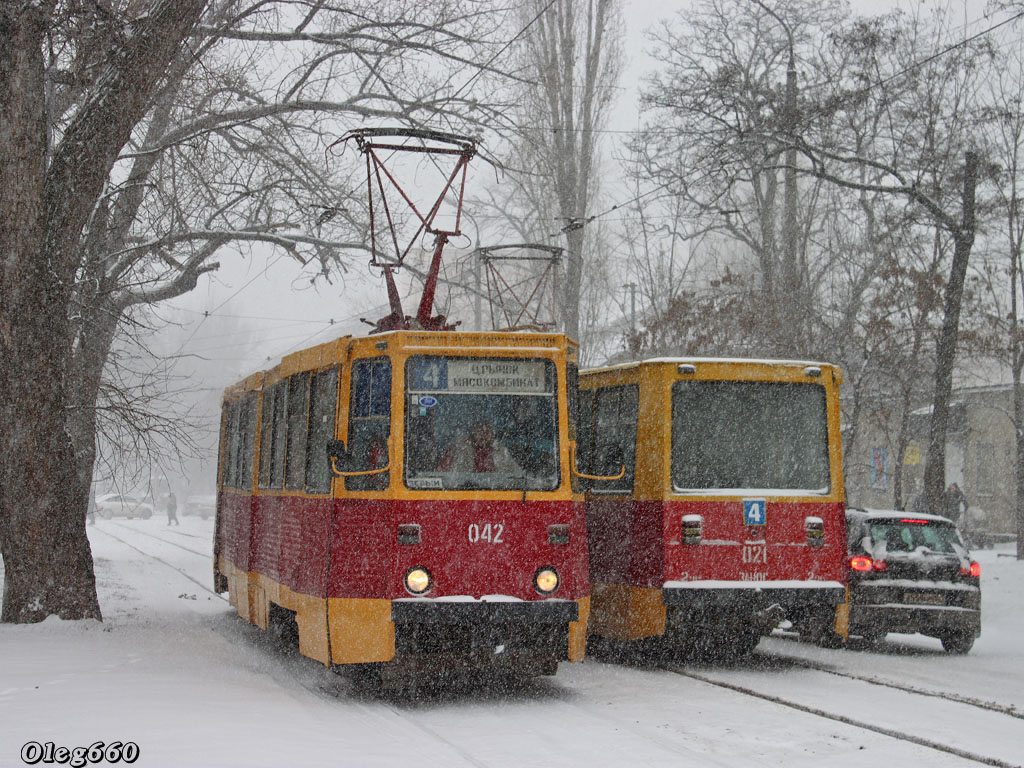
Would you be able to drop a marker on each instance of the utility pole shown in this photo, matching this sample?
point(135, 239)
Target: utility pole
point(790, 235)
point(631, 287)
point(789, 305)
point(478, 314)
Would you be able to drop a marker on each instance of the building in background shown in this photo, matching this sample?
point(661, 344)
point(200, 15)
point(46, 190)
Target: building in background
point(979, 457)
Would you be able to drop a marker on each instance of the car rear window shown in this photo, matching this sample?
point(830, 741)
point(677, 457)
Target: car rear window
point(908, 536)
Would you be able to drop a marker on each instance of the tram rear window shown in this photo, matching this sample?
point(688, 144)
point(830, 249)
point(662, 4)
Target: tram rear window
point(749, 435)
point(473, 423)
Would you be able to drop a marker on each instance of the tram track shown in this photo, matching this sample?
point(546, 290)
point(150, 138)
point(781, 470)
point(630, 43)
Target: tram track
point(989, 706)
point(316, 685)
point(894, 733)
point(386, 711)
point(160, 560)
point(159, 538)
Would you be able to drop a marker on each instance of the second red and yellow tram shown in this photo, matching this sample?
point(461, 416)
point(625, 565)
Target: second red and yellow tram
point(728, 512)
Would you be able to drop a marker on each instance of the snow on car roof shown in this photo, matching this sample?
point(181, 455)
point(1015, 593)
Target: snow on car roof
point(896, 513)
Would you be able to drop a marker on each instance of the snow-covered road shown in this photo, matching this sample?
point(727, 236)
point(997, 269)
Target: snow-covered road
point(173, 670)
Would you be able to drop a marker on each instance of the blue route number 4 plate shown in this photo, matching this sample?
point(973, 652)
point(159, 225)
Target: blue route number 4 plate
point(754, 511)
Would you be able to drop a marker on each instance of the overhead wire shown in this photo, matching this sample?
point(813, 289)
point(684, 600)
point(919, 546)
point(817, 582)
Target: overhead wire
point(579, 224)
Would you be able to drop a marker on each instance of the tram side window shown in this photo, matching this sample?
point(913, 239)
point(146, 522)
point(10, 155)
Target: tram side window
point(266, 437)
point(614, 436)
point(369, 423)
point(323, 401)
point(585, 432)
point(230, 449)
point(272, 437)
point(298, 407)
point(247, 428)
point(573, 389)
point(239, 437)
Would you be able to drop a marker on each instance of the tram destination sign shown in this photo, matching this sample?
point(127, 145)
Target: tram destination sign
point(524, 377)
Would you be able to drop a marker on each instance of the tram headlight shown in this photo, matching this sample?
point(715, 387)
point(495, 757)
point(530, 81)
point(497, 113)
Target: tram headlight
point(546, 580)
point(418, 581)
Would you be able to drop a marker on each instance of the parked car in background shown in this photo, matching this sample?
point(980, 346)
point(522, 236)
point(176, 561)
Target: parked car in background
point(911, 573)
point(110, 505)
point(203, 505)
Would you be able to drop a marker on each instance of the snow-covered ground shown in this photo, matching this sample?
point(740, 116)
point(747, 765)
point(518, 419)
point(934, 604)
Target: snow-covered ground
point(173, 670)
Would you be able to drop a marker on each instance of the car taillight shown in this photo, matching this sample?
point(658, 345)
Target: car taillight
point(860, 563)
point(973, 571)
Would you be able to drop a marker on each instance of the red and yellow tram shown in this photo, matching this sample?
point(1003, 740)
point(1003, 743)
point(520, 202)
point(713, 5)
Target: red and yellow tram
point(728, 515)
point(404, 501)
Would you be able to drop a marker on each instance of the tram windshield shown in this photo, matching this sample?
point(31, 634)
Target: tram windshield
point(488, 424)
point(749, 435)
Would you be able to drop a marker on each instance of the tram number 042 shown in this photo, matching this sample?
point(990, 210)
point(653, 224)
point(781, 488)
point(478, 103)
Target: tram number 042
point(488, 533)
point(755, 553)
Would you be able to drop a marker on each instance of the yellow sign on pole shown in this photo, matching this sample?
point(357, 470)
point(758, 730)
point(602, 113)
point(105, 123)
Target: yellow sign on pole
point(912, 456)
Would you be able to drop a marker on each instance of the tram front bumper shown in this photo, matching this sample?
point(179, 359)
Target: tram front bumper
point(432, 635)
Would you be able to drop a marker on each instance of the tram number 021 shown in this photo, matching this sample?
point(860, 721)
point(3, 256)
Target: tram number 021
point(755, 553)
point(488, 533)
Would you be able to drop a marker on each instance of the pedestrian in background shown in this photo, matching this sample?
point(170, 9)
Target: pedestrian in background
point(172, 509)
point(956, 503)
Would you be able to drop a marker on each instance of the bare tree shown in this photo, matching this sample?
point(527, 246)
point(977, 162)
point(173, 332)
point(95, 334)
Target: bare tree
point(1005, 123)
point(720, 115)
point(885, 123)
point(924, 156)
point(140, 141)
point(46, 198)
point(570, 62)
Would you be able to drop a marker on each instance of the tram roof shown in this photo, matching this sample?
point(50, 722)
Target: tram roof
point(730, 361)
point(433, 342)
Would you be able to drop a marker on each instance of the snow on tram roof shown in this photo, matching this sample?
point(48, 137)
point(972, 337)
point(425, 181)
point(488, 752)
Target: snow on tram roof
point(716, 360)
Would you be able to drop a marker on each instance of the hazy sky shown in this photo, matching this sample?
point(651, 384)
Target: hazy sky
point(273, 296)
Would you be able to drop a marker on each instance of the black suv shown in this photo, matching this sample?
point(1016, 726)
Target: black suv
point(911, 573)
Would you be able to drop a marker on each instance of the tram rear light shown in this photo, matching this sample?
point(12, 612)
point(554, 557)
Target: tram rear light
point(687, 369)
point(408, 533)
point(546, 580)
point(859, 563)
point(815, 528)
point(418, 581)
point(974, 571)
point(813, 371)
point(558, 534)
point(693, 529)
point(879, 565)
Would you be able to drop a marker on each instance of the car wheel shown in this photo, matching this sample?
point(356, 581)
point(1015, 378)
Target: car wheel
point(958, 642)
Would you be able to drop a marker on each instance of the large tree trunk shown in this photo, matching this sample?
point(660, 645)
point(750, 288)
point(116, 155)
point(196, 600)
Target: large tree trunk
point(47, 560)
point(935, 469)
point(43, 213)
